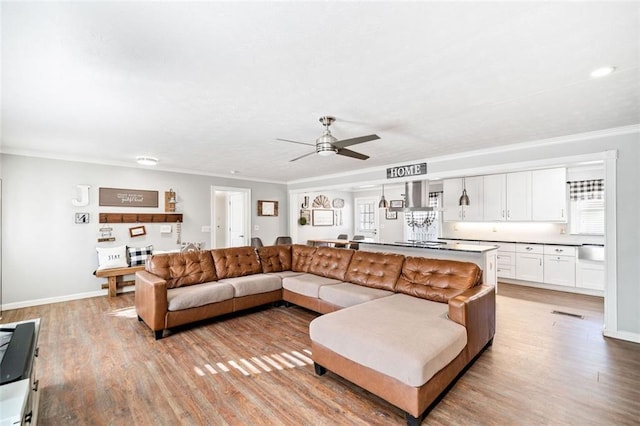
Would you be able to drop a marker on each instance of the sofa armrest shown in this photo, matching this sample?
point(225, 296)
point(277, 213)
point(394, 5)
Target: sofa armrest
point(151, 299)
point(475, 309)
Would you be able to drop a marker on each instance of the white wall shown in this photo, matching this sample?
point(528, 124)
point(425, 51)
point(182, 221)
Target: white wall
point(47, 256)
point(309, 232)
point(625, 141)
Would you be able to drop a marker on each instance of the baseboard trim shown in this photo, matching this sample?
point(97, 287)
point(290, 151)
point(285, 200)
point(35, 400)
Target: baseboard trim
point(622, 335)
point(58, 299)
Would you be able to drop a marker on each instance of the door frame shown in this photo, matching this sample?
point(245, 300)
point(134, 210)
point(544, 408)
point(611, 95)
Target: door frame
point(247, 211)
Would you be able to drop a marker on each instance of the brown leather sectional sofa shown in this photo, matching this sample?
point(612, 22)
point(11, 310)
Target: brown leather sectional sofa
point(401, 327)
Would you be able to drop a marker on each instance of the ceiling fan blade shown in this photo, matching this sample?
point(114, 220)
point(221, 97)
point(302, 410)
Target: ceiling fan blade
point(348, 142)
point(300, 143)
point(352, 154)
point(302, 156)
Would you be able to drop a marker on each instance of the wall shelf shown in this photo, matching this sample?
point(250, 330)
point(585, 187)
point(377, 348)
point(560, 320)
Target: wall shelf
point(140, 217)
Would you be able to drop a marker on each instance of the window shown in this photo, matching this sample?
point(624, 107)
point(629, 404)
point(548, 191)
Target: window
point(425, 226)
point(366, 217)
point(587, 207)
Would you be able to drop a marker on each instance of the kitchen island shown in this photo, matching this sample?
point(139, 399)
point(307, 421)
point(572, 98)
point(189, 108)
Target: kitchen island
point(484, 256)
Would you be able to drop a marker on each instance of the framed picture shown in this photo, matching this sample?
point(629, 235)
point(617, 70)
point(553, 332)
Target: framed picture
point(391, 215)
point(267, 208)
point(396, 204)
point(82, 217)
point(322, 217)
point(137, 231)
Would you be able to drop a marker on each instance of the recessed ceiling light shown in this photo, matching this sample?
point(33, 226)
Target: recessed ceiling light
point(234, 172)
point(601, 72)
point(146, 161)
point(366, 186)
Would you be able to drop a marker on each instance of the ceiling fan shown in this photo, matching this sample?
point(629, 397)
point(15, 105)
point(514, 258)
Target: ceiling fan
point(328, 145)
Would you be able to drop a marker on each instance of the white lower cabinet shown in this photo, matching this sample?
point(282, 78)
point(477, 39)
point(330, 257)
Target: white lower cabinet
point(529, 265)
point(506, 260)
point(590, 274)
point(560, 265)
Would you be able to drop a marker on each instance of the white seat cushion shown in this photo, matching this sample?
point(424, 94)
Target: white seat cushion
point(254, 284)
point(285, 274)
point(401, 336)
point(347, 294)
point(192, 296)
point(307, 284)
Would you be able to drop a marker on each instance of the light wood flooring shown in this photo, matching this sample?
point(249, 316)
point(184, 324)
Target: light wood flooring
point(99, 368)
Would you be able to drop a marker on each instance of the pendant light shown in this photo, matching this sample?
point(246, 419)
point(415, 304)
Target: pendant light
point(383, 204)
point(464, 198)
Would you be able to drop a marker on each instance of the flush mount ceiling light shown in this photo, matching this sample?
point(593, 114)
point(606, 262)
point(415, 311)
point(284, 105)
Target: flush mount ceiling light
point(146, 161)
point(602, 72)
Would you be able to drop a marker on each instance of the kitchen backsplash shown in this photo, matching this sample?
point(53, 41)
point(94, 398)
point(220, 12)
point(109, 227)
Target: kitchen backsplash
point(529, 232)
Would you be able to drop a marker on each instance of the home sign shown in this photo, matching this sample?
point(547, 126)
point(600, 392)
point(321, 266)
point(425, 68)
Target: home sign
point(408, 170)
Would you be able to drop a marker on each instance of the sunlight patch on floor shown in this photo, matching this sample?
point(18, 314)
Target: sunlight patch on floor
point(258, 364)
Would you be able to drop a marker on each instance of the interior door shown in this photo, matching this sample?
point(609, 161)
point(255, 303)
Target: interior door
point(236, 220)
point(367, 218)
point(230, 217)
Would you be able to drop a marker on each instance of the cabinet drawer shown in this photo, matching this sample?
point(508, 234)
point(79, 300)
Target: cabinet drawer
point(560, 250)
point(530, 248)
point(506, 246)
point(506, 271)
point(506, 258)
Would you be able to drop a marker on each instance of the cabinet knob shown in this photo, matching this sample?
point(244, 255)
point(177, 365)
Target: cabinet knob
point(559, 250)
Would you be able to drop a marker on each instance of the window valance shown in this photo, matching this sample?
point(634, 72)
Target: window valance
point(586, 189)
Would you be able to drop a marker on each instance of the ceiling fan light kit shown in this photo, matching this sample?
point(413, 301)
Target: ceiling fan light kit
point(327, 144)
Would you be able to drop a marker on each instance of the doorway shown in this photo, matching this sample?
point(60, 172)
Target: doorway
point(230, 216)
point(366, 220)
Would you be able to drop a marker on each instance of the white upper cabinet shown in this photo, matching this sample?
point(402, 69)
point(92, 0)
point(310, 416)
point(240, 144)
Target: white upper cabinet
point(519, 196)
point(507, 197)
point(549, 195)
point(495, 198)
point(452, 189)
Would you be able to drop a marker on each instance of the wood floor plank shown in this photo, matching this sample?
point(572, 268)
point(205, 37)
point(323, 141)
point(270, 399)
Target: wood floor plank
point(99, 366)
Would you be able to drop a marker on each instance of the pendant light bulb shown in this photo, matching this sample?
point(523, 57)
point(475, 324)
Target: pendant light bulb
point(383, 204)
point(464, 198)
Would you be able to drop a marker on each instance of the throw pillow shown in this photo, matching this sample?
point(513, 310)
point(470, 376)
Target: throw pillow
point(112, 257)
point(139, 255)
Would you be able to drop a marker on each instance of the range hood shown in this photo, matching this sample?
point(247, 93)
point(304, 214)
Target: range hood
point(416, 197)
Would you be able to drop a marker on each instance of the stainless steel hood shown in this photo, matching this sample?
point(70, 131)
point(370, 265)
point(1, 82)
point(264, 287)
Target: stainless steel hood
point(416, 197)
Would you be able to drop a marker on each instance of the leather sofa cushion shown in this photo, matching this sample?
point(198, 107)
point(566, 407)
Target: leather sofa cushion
point(436, 279)
point(198, 295)
point(254, 284)
point(331, 262)
point(183, 269)
point(301, 257)
point(236, 262)
point(347, 294)
point(403, 337)
point(375, 270)
point(275, 258)
point(307, 284)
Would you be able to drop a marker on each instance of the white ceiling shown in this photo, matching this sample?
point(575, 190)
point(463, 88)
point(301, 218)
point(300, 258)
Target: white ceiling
point(207, 87)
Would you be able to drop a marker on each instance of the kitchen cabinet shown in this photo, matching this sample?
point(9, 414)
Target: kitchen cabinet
point(590, 274)
point(549, 195)
point(529, 266)
point(506, 260)
point(507, 197)
point(560, 265)
point(452, 189)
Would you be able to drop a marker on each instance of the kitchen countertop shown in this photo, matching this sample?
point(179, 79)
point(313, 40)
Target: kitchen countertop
point(471, 248)
point(526, 242)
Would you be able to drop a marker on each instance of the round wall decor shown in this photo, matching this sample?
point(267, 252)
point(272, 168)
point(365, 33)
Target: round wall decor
point(337, 203)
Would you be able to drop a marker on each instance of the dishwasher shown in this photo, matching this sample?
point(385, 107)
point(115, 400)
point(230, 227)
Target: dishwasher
point(590, 267)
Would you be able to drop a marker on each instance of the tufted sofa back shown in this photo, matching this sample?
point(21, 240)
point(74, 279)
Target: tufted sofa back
point(182, 269)
point(275, 258)
point(331, 262)
point(436, 279)
point(376, 270)
point(301, 257)
point(236, 262)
